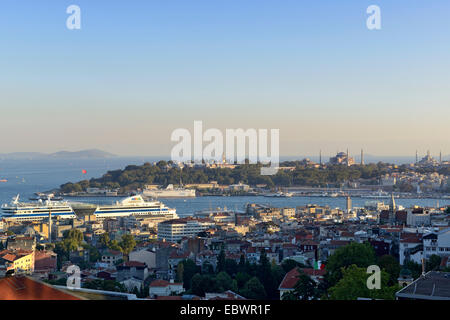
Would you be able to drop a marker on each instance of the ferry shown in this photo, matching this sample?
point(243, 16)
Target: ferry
point(134, 206)
point(35, 211)
point(279, 195)
point(169, 192)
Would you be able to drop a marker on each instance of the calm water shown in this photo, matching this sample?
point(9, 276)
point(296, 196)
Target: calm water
point(189, 206)
point(28, 176)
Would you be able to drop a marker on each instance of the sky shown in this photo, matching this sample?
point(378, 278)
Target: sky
point(138, 70)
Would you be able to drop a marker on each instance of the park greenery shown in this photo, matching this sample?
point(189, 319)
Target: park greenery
point(345, 278)
point(134, 177)
point(253, 281)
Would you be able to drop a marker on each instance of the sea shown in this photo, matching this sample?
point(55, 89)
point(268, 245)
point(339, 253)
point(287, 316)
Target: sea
point(27, 176)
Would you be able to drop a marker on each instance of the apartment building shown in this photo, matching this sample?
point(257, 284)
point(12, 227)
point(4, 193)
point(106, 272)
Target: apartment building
point(177, 229)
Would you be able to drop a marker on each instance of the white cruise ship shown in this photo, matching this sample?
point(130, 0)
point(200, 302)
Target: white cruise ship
point(39, 210)
point(135, 206)
point(169, 192)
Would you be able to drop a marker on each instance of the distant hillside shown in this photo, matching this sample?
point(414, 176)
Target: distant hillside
point(92, 153)
point(83, 154)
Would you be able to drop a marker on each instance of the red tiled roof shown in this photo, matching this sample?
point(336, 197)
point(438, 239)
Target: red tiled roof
point(24, 288)
point(163, 283)
point(44, 261)
point(312, 272)
point(411, 238)
point(176, 255)
point(169, 298)
point(290, 279)
point(347, 234)
point(133, 264)
point(339, 242)
point(9, 257)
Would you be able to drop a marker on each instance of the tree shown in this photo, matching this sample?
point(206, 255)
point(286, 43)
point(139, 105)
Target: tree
point(391, 265)
point(231, 267)
point(74, 235)
point(189, 270)
point(433, 263)
point(127, 244)
point(305, 289)
point(253, 289)
point(289, 264)
point(106, 285)
point(180, 271)
point(361, 255)
point(241, 278)
point(265, 276)
point(414, 267)
point(221, 261)
point(114, 245)
point(104, 240)
point(200, 284)
point(94, 255)
point(207, 268)
point(353, 285)
point(224, 281)
point(241, 265)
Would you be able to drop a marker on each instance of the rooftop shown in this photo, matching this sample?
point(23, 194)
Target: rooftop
point(433, 285)
point(25, 288)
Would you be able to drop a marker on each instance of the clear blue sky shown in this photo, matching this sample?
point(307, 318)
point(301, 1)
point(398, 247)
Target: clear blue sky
point(137, 70)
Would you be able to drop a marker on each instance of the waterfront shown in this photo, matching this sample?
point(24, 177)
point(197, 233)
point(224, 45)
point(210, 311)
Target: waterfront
point(186, 207)
point(28, 176)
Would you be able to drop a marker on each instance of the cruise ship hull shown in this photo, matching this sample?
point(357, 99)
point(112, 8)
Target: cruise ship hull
point(134, 206)
point(169, 193)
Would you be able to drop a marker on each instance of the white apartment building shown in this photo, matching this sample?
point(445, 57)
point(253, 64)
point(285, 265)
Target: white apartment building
point(437, 243)
point(418, 219)
point(177, 229)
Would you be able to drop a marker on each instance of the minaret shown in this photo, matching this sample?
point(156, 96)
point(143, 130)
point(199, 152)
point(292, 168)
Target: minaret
point(362, 157)
point(320, 157)
point(417, 157)
point(440, 157)
point(392, 210)
point(348, 164)
point(349, 204)
point(49, 226)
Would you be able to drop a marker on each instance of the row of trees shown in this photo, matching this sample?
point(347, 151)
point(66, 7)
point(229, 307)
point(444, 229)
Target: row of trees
point(133, 176)
point(253, 281)
point(346, 277)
